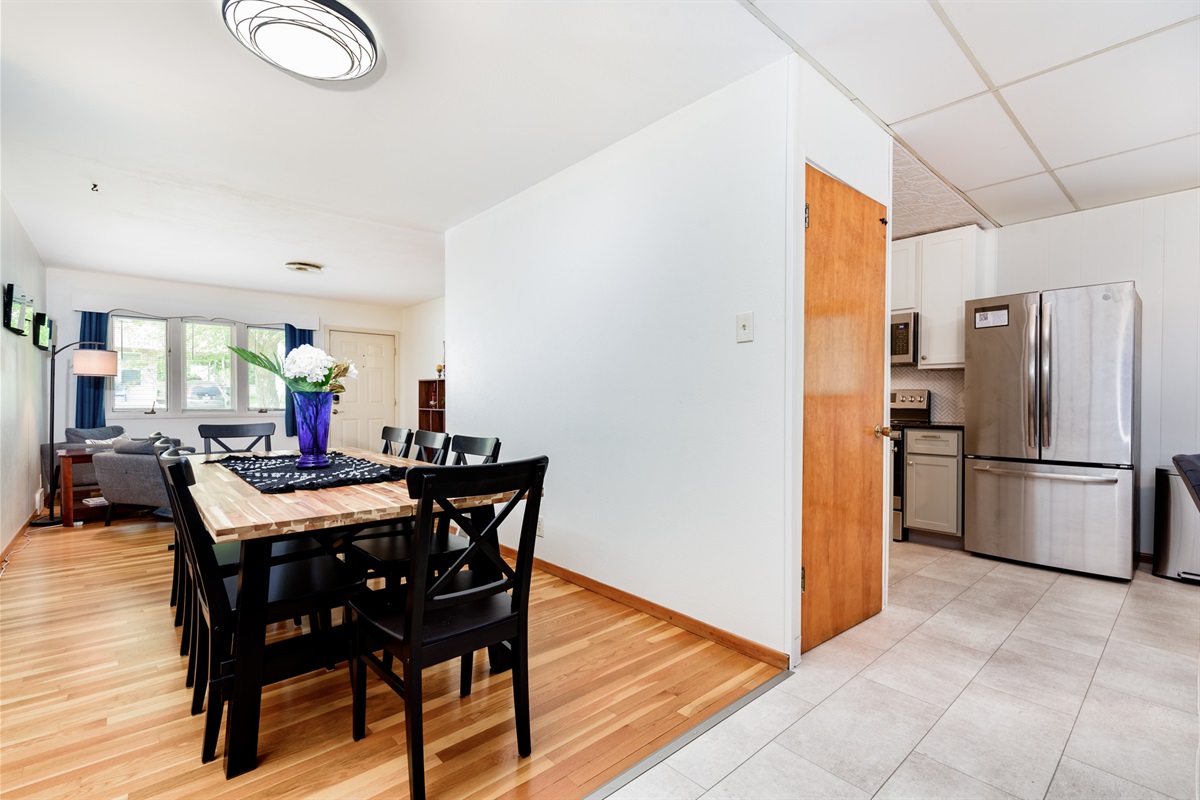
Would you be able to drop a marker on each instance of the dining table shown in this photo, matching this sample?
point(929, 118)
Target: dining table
point(232, 509)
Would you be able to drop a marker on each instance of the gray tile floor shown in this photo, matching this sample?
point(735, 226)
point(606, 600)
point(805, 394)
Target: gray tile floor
point(980, 679)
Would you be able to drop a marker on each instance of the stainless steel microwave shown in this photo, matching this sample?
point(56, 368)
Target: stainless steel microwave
point(903, 338)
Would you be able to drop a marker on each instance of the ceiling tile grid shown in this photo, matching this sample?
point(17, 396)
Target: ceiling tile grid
point(1140, 94)
point(971, 144)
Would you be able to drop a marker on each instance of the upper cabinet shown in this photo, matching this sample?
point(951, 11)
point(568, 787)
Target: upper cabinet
point(934, 275)
point(904, 275)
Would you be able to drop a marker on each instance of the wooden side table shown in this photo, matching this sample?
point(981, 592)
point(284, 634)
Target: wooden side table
point(67, 459)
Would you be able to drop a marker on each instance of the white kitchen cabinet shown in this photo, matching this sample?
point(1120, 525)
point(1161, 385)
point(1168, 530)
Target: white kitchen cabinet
point(904, 274)
point(945, 269)
point(933, 480)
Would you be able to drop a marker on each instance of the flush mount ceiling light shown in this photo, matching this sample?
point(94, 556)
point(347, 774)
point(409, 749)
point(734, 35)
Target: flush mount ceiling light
point(303, 266)
point(319, 39)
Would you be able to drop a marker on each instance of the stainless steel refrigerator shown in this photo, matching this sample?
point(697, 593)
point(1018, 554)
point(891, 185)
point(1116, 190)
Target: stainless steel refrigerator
point(1051, 434)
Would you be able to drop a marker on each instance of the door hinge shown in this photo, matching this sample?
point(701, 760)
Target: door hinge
point(806, 215)
point(802, 580)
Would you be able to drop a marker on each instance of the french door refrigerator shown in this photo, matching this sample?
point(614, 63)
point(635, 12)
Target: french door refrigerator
point(1051, 435)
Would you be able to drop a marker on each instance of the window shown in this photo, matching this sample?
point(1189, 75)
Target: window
point(265, 389)
point(207, 365)
point(177, 366)
point(141, 345)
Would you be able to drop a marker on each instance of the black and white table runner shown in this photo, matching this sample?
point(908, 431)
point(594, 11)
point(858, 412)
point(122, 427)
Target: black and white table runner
point(278, 474)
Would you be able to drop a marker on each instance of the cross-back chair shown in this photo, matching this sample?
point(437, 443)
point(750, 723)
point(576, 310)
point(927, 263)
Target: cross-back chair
point(396, 441)
point(487, 448)
point(255, 431)
point(459, 611)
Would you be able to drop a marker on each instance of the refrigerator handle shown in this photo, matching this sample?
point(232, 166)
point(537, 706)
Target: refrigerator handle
point(1047, 369)
point(1029, 378)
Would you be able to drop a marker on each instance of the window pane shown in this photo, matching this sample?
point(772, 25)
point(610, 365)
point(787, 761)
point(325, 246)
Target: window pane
point(207, 365)
point(141, 346)
point(266, 389)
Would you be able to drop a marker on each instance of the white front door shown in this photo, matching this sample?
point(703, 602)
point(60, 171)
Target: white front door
point(369, 403)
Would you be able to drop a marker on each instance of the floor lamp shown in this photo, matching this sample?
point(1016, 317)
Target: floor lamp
point(84, 363)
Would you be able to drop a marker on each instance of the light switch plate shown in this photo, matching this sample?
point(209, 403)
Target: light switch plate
point(745, 327)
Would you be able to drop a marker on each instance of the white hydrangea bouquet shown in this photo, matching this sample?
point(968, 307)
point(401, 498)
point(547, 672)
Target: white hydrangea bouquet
point(305, 369)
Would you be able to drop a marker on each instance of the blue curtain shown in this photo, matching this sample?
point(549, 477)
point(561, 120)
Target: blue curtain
point(293, 337)
point(89, 391)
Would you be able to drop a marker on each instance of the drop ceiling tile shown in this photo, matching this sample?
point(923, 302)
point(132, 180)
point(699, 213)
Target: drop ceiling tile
point(1136, 95)
point(1162, 169)
point(1052, 32)
point(1022, 200)
point(972, 143)
point(894, 55)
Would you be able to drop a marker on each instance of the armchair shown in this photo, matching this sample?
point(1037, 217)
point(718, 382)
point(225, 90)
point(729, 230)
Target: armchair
point(129, 475)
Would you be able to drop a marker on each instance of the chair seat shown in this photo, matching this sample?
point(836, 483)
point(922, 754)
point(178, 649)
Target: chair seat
point(297, 586)
point(399, 548)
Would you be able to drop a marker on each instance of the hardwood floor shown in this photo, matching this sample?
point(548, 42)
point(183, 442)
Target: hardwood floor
point(93, 704)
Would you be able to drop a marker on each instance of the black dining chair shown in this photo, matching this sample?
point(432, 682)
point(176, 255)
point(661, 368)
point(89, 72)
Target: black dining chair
point(396, 441)
point(312, 586)
point(487, 448)
point(430, 447)
point(384, 550)
point(459, 611)
point(255, 431)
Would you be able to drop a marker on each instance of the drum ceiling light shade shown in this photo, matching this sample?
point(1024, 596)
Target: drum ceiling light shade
point(319, 39)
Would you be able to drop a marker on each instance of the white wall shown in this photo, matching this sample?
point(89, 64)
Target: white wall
point(1156, 243)
point(22, 388)
point(73, 289)
point(421, 341)
point(591, 318)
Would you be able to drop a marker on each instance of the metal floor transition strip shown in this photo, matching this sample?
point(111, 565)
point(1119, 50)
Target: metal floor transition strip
point(663, 753)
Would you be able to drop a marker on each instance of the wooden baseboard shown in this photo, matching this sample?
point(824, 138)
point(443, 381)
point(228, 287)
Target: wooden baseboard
point(1145, 558)
point(734, 642)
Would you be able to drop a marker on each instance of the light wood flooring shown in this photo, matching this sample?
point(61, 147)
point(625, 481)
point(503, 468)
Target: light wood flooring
point(93, 704)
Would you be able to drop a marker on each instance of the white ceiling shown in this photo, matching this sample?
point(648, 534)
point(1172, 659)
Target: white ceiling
point(213, 167)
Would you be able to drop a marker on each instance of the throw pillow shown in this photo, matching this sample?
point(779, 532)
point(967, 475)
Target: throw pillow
point(142, 447)
point(112, 441)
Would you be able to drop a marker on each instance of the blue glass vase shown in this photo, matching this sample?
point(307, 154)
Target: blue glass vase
point(312, 427)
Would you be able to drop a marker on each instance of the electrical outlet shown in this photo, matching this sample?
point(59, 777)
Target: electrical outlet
point(540, 530)
point(37, 500)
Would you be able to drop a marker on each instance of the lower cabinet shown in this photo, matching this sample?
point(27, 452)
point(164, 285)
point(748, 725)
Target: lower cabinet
point(933, 480)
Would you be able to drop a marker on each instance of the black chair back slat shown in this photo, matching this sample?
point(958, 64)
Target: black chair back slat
point(487, 448)
point(396, 441)
point(257, 431)
point(430, 447)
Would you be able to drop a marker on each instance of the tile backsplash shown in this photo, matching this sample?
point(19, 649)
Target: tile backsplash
point(946, 385)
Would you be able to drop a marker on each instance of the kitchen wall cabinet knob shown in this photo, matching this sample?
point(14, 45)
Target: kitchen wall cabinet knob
point(923, 358)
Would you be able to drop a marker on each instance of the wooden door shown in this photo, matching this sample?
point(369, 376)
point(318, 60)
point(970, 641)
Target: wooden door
point(845, 325)
point(369, 401)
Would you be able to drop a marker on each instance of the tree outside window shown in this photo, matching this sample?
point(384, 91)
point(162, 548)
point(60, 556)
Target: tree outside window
point(208, 365)
point(141, 346)
point(266, 389)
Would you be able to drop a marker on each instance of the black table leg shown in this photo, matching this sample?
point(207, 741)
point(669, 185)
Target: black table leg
point(242, 720)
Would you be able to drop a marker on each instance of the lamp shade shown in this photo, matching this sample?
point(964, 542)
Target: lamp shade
point(101, 363)
point(319, 39)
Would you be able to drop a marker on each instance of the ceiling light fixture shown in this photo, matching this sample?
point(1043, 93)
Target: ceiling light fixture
point(319, 39)
point(303, 266)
